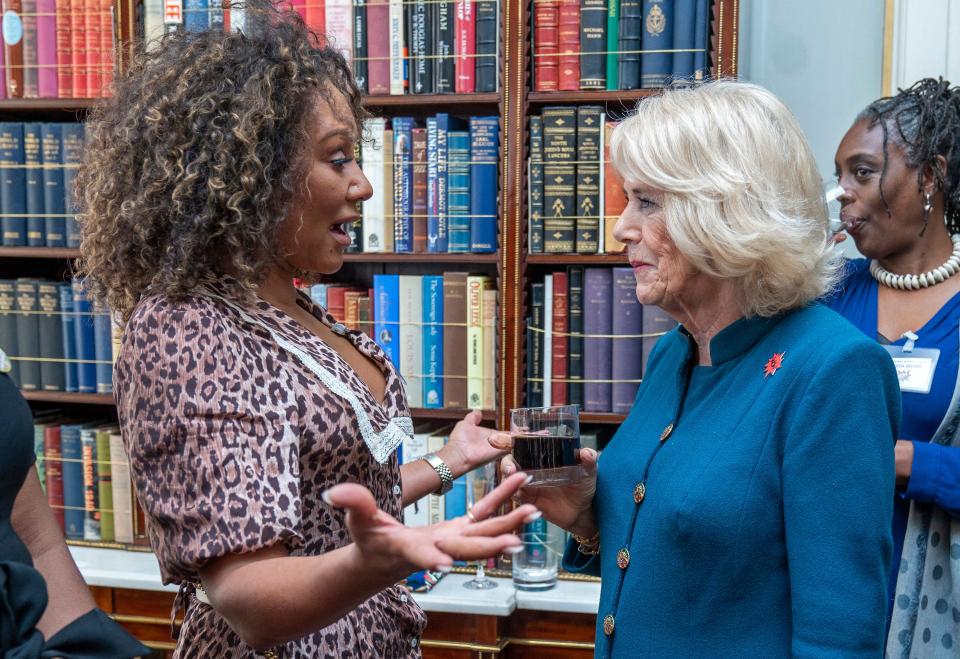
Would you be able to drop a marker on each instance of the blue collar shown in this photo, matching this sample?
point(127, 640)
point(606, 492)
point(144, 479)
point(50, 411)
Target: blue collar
point(736, 338)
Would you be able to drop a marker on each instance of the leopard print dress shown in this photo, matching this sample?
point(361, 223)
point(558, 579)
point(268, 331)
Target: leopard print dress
point(231, 442)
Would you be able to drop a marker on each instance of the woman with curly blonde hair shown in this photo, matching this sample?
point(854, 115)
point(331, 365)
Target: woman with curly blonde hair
point(221, 169)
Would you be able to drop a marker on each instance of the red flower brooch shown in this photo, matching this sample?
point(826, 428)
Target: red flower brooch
point(773, 364)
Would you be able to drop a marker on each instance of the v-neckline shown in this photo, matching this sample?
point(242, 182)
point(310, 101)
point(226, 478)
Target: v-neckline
point(922, 330)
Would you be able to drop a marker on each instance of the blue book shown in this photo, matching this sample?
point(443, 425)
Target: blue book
point(701, 41)
point(402, 184)
point(318, 293)
point(484, 150)
point(458, 194)
point(684, 38)
point(69, 336)
point(103, 350)
point(51, 147)
point(72, 156)
point(433, 197)
point(71, 452)
point(455, 501)
point(84, 341)
point(656, 65)
point(33, 180)
point(196, 15)
point(13, 185)
point(439, 230)
point(432, 341)
point(386, 322)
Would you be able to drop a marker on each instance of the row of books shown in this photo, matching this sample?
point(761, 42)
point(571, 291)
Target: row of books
point(434, 185)
point(38, 164)
point(57, 48)
point(619, 44)
point(55, 339)
point(588, 339)
point(394, 46)
point(575, 195)
point(84, 470)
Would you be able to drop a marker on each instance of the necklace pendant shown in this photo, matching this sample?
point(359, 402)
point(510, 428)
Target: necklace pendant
point(339, 328)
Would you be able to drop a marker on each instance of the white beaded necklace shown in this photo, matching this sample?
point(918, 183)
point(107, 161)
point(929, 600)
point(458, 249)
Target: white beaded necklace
point(923, 280)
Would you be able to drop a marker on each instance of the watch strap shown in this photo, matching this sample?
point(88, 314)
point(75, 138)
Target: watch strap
point(443, 471)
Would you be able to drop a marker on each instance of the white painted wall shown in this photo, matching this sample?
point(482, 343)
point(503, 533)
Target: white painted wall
point(926, 41)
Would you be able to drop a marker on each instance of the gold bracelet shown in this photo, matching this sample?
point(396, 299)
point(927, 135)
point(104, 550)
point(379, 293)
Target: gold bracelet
point(588, 546)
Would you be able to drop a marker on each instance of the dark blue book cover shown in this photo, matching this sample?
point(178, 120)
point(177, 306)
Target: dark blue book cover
point(597, 328)
point(432, 341)
point(484, 152)
point(535, 346)
point(536, 185)
point(627, 326)
point(196, 15)
point(455, 501)
point(684, 38)
point(103, 350)
point(655, 64)
point(403, 184)
point(13, 185)
point(68, 322)
point(434, 243)
point(8, 325)
point(28, 333)
point(84, 342)
point(71, 451)
point(33, 182)
point(701, 41)
point(72, 156)
point(458, 193)
point(386, 322)
point(575, 340)
point(51, 146)
point(52, 375)
point(629, 41)
point(487, 13)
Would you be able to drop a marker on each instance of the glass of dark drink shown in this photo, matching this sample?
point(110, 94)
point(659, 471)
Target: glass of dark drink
point(546, 443)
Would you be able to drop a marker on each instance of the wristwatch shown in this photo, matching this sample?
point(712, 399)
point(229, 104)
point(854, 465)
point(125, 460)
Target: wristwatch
point(443, 471)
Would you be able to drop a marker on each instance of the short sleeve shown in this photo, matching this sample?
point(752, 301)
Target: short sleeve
point(214, 460)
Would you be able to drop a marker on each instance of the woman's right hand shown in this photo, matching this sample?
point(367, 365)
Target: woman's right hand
point(569, 506)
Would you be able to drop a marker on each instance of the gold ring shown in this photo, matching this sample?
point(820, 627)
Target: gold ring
point(470, 514)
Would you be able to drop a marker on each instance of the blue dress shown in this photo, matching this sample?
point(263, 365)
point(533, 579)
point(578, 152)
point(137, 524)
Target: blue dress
point(763, 525)
point(935, 476)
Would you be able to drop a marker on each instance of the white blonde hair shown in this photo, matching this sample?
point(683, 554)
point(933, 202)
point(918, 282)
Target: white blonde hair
point(742, 196)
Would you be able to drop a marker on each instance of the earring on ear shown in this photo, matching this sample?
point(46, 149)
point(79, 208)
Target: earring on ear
point(927, 207)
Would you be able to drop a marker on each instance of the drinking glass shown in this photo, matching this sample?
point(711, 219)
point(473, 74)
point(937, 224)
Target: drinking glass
point(535, 566)
point(479, 483)
point(546, 443)
point(831, 195)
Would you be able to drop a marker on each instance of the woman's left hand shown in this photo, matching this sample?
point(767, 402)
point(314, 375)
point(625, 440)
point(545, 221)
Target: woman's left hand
point(468, 446)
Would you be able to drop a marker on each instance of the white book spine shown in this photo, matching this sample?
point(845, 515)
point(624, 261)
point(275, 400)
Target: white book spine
point(411, 337)
point(489, 348)
point(396, 47)
point(339, 23)
point(373, 216)
point(153, 27)
point(122, 491)
point(414, 448)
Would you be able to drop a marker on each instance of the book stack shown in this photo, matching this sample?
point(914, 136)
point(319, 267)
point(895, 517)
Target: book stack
point(55, 339)
point(619, 44)
point(574, 194)
point(57, 49)
point(38, 164)
point(434, 186)
point(84, 470)
point(394, 46)
point(588, 339)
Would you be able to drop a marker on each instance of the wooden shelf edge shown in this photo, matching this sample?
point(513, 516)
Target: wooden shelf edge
point(424, 100)
point(389, 257)
point(57, 104)
point(68, 397)
point(448, 413)
point(40, 252)
point(589, 96)
point(96, 544)
point(577, 259)
point(600, 417)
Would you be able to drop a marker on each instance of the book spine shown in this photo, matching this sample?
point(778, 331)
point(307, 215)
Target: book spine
point(122, 491)
point(196, 17)
point(569, 31)
point(351, 309)
point(535, 347)
point(315, 19)
point(419, 190)
point(414, 448)
point(78, 48)
point(411, 337)
point(443, 235)
point(339, 19)
point(218, 15)
point(626, 358)
point(444, 69)
point(547, 348)
point(684, 39)
point(388, 186)
point(614, 198)
point(597, 327)
point(373, 167)
point(355, 229)
point(73, 501)
point(485, 67)
point(466, 42)
point(436, 503)
point(475, 286)
point(387, 315)
point(53, 472)
point(656, 322)
point(105, 486)
point(91, 495)
point(489, 347)
point(28, 334)
point(3, 68)
point(559, 179)
point(433, 341)
point(103, 352)
point(8, 325)
point(64, 48)
point(361, 66)
point(629, 42)
point(455, 501)
point(31, 80)
point(546, 45)
point(575, 340)
point(33, 184)
point(91, 46)
point(365, 315)
point(432, 196)
point(536, 185)
point(701, 41)
point(52, 371)
point(403, 184)
point(589, 125)
point(107, 41)
point(378, 47)
point(13, 48)
point(484, 153)
point(612, 40)
point(397, 47)
point(422, 63)
point(593, 43)
point(84, 341)
point(72, 157)
point(455, 339)
point(39, 456)
point(560, 327)
point(458, 195)
point(335, 301)
point(67, 334)
point(656, 61)
point(13, 185)
point(51, 147)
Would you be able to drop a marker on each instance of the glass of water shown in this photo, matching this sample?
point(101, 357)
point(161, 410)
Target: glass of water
point(479, 483)
point(546, 443)
point(535, 566)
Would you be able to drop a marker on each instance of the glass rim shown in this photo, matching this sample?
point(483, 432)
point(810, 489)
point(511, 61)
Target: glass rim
point(541, 408)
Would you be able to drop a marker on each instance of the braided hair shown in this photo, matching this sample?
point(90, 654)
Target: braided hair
point(924, 120)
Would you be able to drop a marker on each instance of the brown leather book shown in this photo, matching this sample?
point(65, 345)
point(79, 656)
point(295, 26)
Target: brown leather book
point(420, 190)
point(13, 54)
point(378, 46)
point(455, 339)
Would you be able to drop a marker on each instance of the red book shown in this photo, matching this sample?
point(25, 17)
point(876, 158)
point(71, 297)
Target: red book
point(92, 10)
point(78, 46)
point(569, 45)
point(53, 470)
point(419, 190)
point(64, 50)
point(378, 46)
point(466, 44)
point(106, 47)
point(13, 55)
point(47, 48)
point(351, 309)
point(315, 18)
point(561, 326)
point(546, 45)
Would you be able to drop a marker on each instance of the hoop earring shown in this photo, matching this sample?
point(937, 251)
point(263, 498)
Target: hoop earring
point(927, 207)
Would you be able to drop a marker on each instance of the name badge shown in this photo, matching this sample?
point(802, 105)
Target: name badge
point(915, 368)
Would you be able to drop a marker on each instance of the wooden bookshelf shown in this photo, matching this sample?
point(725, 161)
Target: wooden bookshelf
point(625, 97)
point(432, 101)
point(40, 252)
point(69, 397)
point(31, 105)
point(361, 257)
point(577, 259)
point(595, 417)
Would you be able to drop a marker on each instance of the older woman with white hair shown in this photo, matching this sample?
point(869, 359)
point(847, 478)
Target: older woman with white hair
point(743, 507)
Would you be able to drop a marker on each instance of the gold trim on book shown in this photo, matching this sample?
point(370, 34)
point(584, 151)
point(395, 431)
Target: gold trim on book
point(143, 620)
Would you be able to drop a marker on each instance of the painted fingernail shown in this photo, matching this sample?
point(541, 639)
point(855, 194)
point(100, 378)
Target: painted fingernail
point(516, 549)
point(528, 479)
point(532, 517)
point(444, 569)
point(325, 495)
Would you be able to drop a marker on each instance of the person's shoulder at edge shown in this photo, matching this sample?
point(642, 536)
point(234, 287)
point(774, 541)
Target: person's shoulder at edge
point(854, 272)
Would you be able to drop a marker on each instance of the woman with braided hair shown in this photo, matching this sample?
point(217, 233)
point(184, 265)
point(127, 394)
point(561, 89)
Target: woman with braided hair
point(899, 166)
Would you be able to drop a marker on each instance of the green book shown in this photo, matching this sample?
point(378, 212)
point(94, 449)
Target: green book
point(613, 33)
point(105, 485)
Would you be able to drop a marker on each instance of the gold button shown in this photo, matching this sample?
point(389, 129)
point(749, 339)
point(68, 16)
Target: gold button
point(666, 433)
point(623, 558)
point(608, 624)
point(639, 492)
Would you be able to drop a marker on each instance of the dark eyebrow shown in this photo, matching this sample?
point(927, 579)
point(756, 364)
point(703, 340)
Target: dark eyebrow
point(345, 133)
point(861, 155)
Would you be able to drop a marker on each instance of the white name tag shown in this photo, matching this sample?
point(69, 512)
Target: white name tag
point(915, 369)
